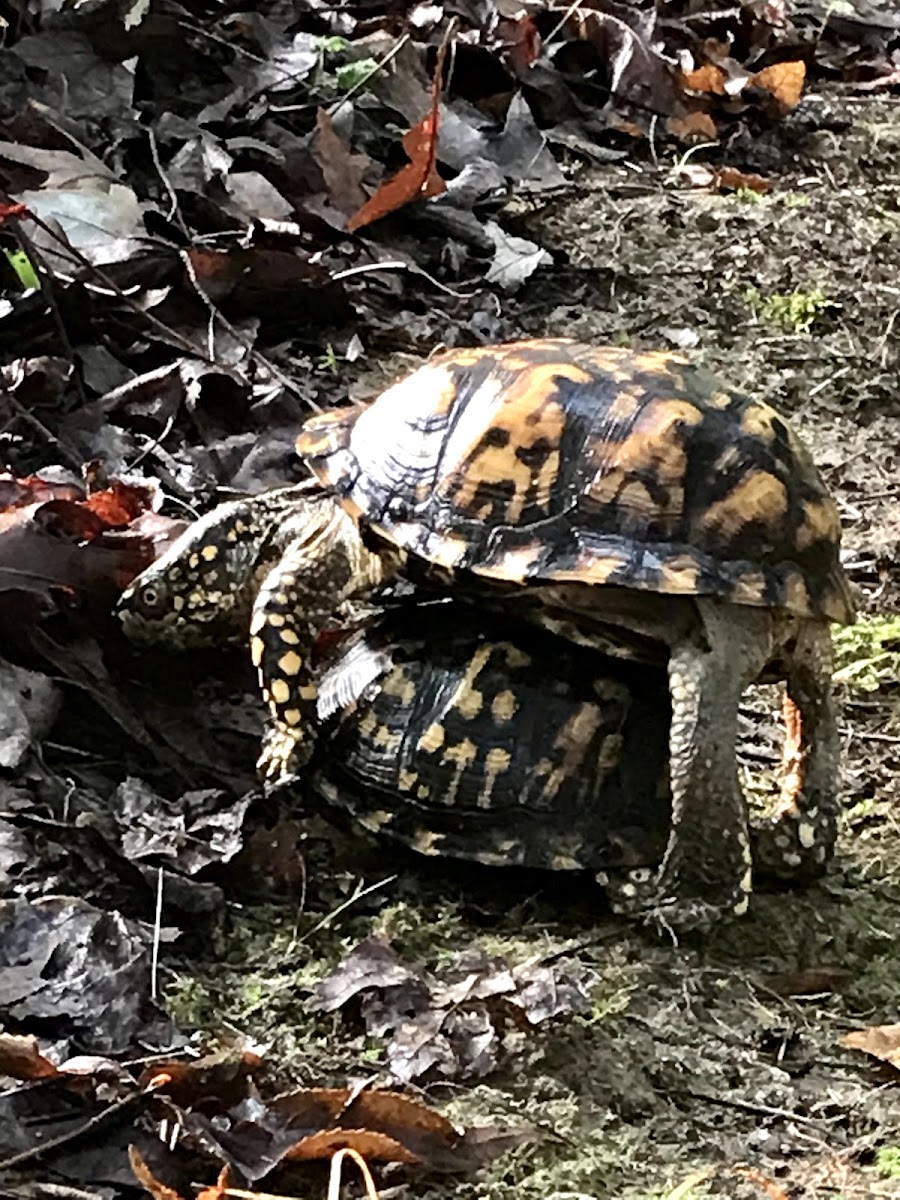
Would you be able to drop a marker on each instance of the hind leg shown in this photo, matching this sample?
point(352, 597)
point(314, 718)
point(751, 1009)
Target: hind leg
point(798, 840)
point(705, 874)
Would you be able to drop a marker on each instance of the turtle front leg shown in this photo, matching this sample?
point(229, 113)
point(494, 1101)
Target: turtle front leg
point(324, 564)
point(797, 841)
point(706, 870)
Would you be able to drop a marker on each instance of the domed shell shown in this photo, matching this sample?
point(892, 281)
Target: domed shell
point(552, 461)
point(472, 746)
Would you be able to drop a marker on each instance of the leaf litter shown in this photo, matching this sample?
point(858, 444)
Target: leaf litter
point(211, 207)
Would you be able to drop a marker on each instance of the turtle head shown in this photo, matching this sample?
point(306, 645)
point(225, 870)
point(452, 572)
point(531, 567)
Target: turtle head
point(201, 590)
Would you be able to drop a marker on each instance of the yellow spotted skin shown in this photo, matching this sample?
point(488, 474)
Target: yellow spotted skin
point(543, 773)
point(550, 460)
point(257, 569)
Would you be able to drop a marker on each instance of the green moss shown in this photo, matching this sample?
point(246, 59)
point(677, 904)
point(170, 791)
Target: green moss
point(867, 655)
point(887, 1162)
point(796, 310)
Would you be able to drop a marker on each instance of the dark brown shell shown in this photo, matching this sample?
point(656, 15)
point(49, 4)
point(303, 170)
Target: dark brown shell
point(507, 748)
point(549, 461)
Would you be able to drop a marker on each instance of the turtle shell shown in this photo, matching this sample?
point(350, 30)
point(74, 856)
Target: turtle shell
point(465, 740)
point(552, 461)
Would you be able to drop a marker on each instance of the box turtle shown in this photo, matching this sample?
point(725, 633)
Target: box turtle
point(466, 738)
point(624, 499)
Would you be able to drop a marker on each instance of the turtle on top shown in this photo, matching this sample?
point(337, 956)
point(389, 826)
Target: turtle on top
point(624, 500)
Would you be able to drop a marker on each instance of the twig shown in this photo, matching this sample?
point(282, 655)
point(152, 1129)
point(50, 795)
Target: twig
point(765, 1110)
point(36, 1152)
point(174, 209)
point(214, 312)
point(60, 1191)
point(157, 926)
point(872, 737)
point(157, 441)
point(45, 282)
point(395, 264)
point(361, 83)
point(337, 1166)
point(85, 262)
point(336, 912)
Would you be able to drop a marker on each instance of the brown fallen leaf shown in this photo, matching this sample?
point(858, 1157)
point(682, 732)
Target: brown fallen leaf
point(52, 537)
point(364, 1142)
point(784, 81)
point(730, 179)
point(223, 1077)
point(273, 284)
point(881, 1041)
point(372, 963)
point(219, 1189)
point(769, 1186)
point(695, 127)
point(343, 169)
point(807, 982)
point(21, 1058)
point(419, 179)
point(708, 78)
point(148, 1181)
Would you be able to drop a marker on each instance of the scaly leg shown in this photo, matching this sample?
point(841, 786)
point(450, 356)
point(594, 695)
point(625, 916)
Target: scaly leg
point(798, 840)
point(705, 874)
point(324, 564)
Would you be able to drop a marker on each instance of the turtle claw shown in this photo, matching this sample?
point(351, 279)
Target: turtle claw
point(285, 751)
point(650, 897)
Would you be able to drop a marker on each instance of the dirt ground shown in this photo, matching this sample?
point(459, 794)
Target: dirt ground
point(697, 1056)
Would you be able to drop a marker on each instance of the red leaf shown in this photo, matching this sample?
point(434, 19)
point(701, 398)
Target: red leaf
point(419, 179)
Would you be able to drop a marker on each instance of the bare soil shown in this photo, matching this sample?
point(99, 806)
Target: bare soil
point(696, 1058)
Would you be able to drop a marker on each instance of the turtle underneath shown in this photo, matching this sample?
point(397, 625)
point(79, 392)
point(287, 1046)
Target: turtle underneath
point(483, 741)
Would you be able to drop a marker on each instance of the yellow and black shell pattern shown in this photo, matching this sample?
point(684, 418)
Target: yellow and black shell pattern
point(506, 748)
point(553, 461)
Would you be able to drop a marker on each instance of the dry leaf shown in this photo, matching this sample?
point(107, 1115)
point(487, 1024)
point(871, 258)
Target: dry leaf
point(695, 127)
point(881, 1041)
point(707, 78)
point(343, 169)
point(21, 1058)
point(148, 1181)
point(419, 179)
point(769, 1186)
point(219, 1188)
point(730, 178)
point(365, 1142)
point(784, 81)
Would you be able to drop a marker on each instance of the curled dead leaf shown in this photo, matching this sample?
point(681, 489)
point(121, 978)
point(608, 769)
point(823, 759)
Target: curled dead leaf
point(784, 81)
point(881, 1041)
point(695, 127)
point(148, 1181)
point(708, 78)
point(419, 179)
point(21, 1058)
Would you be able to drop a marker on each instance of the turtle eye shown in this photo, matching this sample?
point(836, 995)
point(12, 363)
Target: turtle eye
point(151, 599)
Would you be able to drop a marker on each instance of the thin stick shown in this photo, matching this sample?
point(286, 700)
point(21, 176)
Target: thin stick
point(215, 313)
point(336, 912)
point(396, 264)
point(157, 926)
point(35, 1152)
point(763, 1109)
point(337, 1166)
